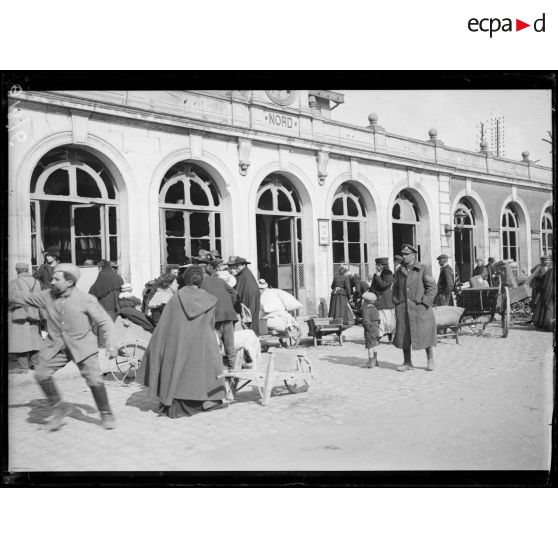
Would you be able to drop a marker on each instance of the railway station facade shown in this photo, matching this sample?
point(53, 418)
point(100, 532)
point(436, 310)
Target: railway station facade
point(146, 178)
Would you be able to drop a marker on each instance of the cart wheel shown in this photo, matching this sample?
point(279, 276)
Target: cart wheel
point(128, 359)
point(297, 386)
point(505, 310)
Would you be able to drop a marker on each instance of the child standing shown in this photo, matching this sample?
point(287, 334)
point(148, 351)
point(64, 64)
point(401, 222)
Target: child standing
point(371, 323)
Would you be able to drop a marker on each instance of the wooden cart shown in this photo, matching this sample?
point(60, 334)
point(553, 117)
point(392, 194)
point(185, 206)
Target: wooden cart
point(286, 338)
point(483, 307)
point(318, 327)
point(291, 367)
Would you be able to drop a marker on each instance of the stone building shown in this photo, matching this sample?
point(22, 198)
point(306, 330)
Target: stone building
point(150, 177)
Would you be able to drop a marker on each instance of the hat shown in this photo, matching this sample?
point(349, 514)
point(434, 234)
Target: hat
point(408, 249)
point(22, 266)
point(53, 251)
point(381, 260)
point(204, 256)
point(236, 260)
point(68, 268)
point(442, 257)
point(398, 258)
point(262, 284)
point(126, 287)
point(369, 297)
point(491, 260)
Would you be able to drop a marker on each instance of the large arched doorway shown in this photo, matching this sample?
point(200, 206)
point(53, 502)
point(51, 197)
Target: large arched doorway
point(279, 234)
point(74, 207)
point(349, 231)
point(190, 214)
point(406, 223)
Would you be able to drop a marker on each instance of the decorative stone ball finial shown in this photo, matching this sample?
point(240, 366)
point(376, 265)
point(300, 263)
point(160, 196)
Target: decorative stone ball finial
point(373, 118)
point(433, 133)
point(525, 156)
point(483, 145)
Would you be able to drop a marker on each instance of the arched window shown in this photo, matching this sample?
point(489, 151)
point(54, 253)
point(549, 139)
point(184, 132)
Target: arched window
point(510, 234)
point(547, 233)
point(348, 228)
point(74, 205)
point(191, 213)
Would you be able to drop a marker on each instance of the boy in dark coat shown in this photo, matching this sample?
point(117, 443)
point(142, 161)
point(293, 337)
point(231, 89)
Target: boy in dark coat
point(371, 323)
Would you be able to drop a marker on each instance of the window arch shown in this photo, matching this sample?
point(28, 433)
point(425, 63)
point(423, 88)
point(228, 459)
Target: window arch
point(405, 209)
point(74, 206)
point(190, 213)
point(510, 234)
point(547, 232)
point(276, 194)
point(348, 227)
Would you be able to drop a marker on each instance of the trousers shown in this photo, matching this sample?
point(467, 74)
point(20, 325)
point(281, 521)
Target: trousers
point(88, 368)
point(225, 330)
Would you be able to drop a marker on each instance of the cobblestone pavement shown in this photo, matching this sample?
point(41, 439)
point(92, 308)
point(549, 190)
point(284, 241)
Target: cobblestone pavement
point(487, 405)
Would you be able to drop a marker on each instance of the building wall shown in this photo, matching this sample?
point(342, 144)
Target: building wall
point(140, 147)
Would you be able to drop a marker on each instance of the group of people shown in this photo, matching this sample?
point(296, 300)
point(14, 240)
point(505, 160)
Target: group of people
point(203, 302)
point(395, 304)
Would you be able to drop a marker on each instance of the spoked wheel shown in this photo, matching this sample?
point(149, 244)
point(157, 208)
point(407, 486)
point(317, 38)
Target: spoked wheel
point(506, 312)
point(297, 385)
point(128, 360)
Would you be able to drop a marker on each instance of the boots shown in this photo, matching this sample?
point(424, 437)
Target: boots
point(59, 408)
point(101, 399)
point(407, 364)
point(430, 365)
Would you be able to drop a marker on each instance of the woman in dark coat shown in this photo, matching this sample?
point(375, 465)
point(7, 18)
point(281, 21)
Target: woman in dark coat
point(107, 288)
point(182, 360)
point(340, 296)
point(414, 290)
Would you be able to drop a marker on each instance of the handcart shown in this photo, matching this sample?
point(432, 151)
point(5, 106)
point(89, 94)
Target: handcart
point(485, 306)
point(318, 327)
point(283, 365)
point(520, 304)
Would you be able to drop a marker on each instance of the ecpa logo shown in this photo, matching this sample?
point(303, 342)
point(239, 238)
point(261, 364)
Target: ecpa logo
point(494, 24)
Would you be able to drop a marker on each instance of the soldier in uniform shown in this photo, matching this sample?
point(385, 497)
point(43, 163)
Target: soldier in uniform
point(70, 314)
point(414, 290)
point(446, 282)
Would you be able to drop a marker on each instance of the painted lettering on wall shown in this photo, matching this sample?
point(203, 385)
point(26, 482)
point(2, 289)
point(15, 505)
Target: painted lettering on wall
point(280, 120)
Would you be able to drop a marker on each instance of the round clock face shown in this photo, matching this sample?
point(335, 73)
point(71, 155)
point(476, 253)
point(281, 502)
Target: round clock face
point(282, 96)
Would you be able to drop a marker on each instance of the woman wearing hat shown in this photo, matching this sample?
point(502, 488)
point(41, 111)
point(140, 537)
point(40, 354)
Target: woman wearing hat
point(46, 270)
point(340, 295)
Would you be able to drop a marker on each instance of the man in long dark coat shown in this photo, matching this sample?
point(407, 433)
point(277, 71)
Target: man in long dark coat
point(247, 289)
point(446, 282)
point(225, 314)
point(414, 290)
point(182, 360)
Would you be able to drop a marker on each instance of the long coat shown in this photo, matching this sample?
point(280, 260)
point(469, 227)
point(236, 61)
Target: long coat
point(381, 287)
point(413, 294)
point(182, 360)
point(249, 295)
point(24, 333)
point(226, 297)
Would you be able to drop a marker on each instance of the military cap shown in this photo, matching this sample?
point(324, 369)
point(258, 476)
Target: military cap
point(381, 260)
point(68, 268)
point(22, 266)
point(408, 249)
point(442, 257)
point(237, 260)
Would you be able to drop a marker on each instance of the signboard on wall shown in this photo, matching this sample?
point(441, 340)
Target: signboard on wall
point(323, 232)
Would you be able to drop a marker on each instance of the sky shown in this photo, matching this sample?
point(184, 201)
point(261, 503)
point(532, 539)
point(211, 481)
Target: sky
point(456, 115)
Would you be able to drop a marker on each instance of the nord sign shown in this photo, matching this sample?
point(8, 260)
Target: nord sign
point(280, 120)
